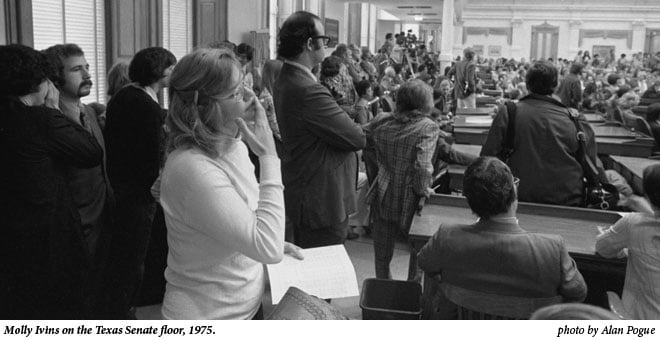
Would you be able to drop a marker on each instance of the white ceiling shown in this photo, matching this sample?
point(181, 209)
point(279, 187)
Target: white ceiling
point(406, 10)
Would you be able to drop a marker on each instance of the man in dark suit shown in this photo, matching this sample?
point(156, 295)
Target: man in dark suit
point(90, 188)
point(319, 163)
point(465, 75)
point(44, 263)
point(570, 89)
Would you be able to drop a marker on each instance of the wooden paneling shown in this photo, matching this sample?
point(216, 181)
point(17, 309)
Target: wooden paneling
point(354, 23)
point(134, 25)
point(210, 18)
point(18, 22)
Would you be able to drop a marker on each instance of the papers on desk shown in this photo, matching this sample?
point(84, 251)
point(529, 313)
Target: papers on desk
point(326, 272)
point(479, 120)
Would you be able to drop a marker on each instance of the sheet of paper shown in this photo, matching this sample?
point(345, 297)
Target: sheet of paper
point(478, 120)
point(326, 272)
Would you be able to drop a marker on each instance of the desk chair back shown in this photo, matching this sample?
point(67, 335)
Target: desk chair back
point(387, 103)
point(642, 126)
point(474, 305)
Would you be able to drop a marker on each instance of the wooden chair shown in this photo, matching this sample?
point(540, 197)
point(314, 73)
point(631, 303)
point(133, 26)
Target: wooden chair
point(474, 305)
point(640, 110)
point(616, 305)
point(486, 101)
point(648, 101)
point(387, 103)
point(642, 126)
point(493, 93)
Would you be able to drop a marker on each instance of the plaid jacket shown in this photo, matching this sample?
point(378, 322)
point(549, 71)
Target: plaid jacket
point(405, 148)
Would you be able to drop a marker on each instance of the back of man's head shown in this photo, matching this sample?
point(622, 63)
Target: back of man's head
point(468, 53)
point(488, 186)
point(576, 68)
point(541, 78)
point(612, 78)
point(295, 32)
point(57, 54)
point(652, 184)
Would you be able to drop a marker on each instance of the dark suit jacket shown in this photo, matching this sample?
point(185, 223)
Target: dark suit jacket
point(134, 142)
point(319, 163)
point(502, 258)
point(544, 148)
point(43, 257)
point(466, 78)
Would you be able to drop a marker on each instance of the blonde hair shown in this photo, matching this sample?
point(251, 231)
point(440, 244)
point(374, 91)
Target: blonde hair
point(196, 83)
point(117, 77)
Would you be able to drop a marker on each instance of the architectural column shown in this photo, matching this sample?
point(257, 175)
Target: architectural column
point(574, 37)
point(284, 9)
point(457, 48)
point(447, 40)
point(639, 35)
point(517, 38)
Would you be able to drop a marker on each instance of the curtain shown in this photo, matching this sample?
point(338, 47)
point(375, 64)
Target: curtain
point(508, 31)
point(605, 34)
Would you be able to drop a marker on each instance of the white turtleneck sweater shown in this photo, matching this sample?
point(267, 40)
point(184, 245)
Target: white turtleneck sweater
point(222, 226)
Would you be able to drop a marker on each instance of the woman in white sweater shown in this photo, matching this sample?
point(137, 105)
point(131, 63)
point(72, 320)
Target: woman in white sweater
point(222, 225)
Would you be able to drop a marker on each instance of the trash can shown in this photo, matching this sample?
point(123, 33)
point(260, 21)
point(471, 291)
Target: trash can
point(390, 300)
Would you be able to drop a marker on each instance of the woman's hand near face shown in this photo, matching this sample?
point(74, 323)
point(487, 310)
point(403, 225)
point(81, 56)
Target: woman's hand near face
point(52, 99)
point(258, 136)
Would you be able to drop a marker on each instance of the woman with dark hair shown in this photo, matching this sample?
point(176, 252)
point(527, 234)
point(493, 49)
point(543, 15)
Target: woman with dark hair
point(245, 54)
point(335, 78)
point(134, 140)
point(44, 258)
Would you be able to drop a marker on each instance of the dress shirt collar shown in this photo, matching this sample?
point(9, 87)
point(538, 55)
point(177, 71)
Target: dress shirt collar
point(149, 91)
point(71, 110)
point(302, 67)
point(502, 224)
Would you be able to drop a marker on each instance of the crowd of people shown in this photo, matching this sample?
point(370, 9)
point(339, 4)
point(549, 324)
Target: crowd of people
point(251, 163)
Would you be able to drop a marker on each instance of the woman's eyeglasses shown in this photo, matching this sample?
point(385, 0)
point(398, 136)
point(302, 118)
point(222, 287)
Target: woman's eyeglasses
point(238, 94)
point(516, 181)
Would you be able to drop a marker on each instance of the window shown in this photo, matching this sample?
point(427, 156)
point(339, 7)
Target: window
point(177, 30)
point(79, 22)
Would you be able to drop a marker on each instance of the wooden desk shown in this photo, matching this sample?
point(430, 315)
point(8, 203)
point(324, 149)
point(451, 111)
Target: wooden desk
point(578, 227)
point(476, 111)
point(632, 147)
point(474, 122)
point(632, 169)
point(610, 131)
point(594, 118)
point(641, 147)
point(456, 171)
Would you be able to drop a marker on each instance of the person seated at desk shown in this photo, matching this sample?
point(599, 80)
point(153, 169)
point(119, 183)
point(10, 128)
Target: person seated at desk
point(653, 92)
point(652, 117)
point(639, 233)
point(495, 255)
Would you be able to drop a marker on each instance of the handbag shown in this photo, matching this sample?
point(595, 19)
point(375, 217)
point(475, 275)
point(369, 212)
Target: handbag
point(507, 145)
point(598, 193)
